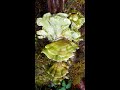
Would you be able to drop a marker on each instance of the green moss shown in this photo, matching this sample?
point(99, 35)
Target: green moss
point(77, 71)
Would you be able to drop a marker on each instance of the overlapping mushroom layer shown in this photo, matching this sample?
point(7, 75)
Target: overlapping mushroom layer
point(60, 50)
point(59, 26)
point(58, 71)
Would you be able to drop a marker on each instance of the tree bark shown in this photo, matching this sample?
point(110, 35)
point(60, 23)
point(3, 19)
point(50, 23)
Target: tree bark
point(56, 6)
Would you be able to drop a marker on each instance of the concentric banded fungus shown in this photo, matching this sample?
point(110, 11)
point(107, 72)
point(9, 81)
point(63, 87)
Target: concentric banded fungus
point(77, 19)
point(52, 25)
point(61, 30)
point(59, 26)
point(58, 71)
point(60, 50)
